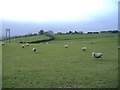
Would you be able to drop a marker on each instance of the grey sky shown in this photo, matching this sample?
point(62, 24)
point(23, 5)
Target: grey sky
point(74, 17)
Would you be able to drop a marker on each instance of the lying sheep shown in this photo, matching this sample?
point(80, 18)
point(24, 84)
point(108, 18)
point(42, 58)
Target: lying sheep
point(97, 55)
point(84, 48)
point(34, 49)
point(66, 46)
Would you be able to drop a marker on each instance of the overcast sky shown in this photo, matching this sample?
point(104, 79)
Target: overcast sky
point(30, 16)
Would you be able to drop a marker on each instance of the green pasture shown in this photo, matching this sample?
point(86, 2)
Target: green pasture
point(83, 36)
point(29, 38)
point(54, 66)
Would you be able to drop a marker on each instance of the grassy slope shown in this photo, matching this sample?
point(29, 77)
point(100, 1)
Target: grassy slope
point(83, 36)
point(55, 66)
point(30, 38)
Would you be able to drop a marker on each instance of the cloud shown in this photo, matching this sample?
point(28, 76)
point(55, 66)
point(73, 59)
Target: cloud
point(54, 10)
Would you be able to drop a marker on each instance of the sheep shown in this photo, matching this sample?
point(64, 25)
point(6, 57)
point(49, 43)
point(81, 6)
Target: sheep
point(46, 42)
point(118, 47)
point(34, 49)
point(97, 55)
point(66, 46)
point(27, 44)
point(84, 48)
point(2, 44)
point(23, 46)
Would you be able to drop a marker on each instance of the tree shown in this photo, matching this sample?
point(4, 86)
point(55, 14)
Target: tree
point(41, 32)
point(49, 33)
point(80, 32)
point(59, 33)
point(75, 32)
point(70, 32)
point(89, 32)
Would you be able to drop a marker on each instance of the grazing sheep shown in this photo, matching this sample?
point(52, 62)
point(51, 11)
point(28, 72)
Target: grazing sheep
point(23, 46)
point(34, 49)
point(46, 42)
point(84, 48)
point(66, 46)
point(97, 55)
point(27, 44)
point(2, 44)
point(118, 47)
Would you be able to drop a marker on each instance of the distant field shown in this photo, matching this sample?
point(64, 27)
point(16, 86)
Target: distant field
point(83, 36)
point(29, 38)
point(58, 67)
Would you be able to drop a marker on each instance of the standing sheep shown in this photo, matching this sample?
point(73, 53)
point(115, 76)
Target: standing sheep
point(2, 44)
point(34, 49)
point(27, 44)
point(46, 42)
point(23, 46)
point(66, 46)
point(97, 55)
point(84, 48)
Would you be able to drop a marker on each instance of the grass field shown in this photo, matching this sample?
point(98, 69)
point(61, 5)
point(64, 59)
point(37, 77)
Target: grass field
point(58, 67)
point(29, 38)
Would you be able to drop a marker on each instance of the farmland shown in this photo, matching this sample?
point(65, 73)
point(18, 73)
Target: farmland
point(29, 38)
point(54, 66)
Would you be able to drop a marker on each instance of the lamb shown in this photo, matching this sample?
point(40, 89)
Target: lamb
point(66, 46)
point(84, 48)
point(97, 55)
point(34, 49)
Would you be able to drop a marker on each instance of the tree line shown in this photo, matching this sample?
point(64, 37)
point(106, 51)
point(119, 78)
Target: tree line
point(51, 33)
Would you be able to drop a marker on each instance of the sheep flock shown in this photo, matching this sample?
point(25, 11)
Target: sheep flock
point(84, 48)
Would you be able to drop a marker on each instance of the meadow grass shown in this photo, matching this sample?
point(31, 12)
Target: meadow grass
point(54, 66)
point(29, 38)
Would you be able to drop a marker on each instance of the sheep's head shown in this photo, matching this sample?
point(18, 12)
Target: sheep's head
point(93, 54)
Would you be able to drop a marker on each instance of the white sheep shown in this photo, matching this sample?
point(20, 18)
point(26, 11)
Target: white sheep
point(84, 48)
point(97, 55)
point(46, 42)
point(66, 46)
point(27, 44)
point(2, 43)
point(118, 47)
point(34, 49)
point(23, 46)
